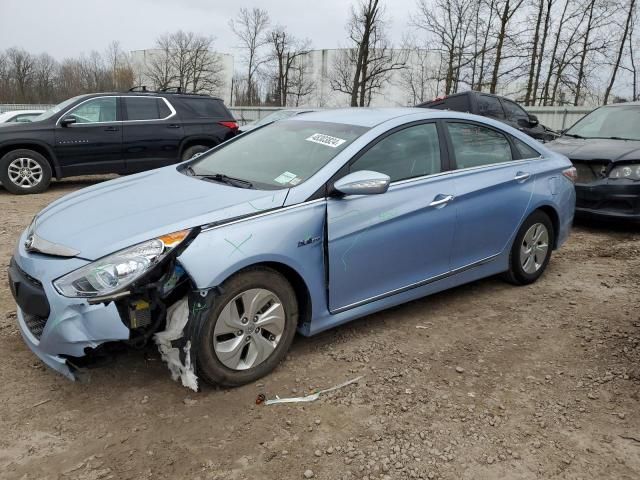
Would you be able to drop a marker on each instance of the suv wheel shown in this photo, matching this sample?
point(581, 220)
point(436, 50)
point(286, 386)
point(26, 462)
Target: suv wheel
point(24, 171)
point(194, 151)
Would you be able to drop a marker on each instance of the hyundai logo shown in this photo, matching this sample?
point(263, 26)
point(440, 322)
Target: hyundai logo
point(28, 243)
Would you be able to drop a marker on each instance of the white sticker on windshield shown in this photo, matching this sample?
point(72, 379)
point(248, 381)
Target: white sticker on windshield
point(285, 178)
point(327, 140)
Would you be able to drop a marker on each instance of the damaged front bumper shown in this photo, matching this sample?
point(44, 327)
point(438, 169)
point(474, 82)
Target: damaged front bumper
point(609, 199)
point(56, 328)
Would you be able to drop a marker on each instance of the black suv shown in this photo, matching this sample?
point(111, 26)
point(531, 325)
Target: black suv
point(110, 133)
point(498, 108)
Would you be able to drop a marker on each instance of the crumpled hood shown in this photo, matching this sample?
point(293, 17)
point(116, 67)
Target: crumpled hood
point(115, 214)
point(597, 149)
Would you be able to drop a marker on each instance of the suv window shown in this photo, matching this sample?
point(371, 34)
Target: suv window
point(203, 107)
point(458, 103)
point(489, 107)
point(411, 152)
point(525, 150)
point(514, 111)
point(145, 108)
point(102, 109)
point(474, 145)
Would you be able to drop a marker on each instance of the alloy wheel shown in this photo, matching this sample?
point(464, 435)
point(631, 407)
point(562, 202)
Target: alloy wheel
point(249, 329)
point(25, 172)
point(534, 248)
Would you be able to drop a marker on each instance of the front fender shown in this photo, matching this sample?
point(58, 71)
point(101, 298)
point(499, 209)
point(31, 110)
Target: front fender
point(292, 236)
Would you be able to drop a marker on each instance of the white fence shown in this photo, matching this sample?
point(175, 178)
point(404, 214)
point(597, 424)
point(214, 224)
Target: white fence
point(556, 118)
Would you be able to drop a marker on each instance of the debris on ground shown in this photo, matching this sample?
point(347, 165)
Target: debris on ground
point(311, 397)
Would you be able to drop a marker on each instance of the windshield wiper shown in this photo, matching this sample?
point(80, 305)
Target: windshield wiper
point(574, 135)
point(222, 178)
point(616, 138)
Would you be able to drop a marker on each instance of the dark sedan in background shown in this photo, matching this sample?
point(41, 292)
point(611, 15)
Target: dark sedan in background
point(604, 146)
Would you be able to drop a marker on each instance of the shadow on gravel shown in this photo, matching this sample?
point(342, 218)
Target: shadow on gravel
point(71, 183)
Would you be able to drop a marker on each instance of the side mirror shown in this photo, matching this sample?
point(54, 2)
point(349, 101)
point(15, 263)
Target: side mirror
point(533, 120)
point(363, 182)
point(66, 121)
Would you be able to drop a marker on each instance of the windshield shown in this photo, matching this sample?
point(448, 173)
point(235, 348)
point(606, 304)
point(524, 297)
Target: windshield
point(609, 122)
point(272, 117)
point(55, 109)
point(281, 155)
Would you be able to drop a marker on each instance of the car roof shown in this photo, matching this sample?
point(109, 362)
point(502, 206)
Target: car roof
point(363, 117)
point(150, 93)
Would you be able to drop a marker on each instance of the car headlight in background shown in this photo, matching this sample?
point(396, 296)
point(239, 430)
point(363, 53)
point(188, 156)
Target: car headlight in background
point(631, 172)
point(116, 271)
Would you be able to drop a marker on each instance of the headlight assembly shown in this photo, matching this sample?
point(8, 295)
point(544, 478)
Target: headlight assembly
point(118, 270)
point(631, 171)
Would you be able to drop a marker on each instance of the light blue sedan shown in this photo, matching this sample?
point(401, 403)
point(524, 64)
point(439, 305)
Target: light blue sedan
point(299, 225)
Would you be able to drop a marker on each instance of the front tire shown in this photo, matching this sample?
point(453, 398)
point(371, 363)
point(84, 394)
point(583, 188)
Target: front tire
point(249, 329)
point(24, 172)
point(531, 249)
point(194, 151)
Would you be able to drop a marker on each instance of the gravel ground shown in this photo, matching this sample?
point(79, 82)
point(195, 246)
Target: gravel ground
point(481, 382)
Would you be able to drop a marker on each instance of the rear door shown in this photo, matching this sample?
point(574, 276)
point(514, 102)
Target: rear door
point(493, 190)
point(93, 144)
point(379, 245)
point(152, 133)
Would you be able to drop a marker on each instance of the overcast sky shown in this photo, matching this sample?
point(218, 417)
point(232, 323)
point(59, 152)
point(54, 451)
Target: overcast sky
point(69, 27)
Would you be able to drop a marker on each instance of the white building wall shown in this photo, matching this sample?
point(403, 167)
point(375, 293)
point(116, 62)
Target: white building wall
point(141, 58)
point(321, 65)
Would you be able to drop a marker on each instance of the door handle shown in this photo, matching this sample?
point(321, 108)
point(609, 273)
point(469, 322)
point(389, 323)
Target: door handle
point(111, 129)
point(173, 125)
point(442, 201)
point(522, 176)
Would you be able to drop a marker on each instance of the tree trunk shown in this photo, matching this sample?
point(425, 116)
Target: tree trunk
point(534, 53)
point(504, 18)
point(632, 5)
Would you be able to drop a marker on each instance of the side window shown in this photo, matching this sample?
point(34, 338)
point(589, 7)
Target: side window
point(514, 111)
point(411, 152)
point(474, 145)
point(490, 107)
point(525, 150)
point(145, 108)
point(96, 110)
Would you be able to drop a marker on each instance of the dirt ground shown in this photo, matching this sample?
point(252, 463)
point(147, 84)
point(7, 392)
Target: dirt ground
point(485, 381)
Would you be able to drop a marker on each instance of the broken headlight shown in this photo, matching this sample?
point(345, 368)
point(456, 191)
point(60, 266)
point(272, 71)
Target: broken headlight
point(116, 271)
point(632, 172)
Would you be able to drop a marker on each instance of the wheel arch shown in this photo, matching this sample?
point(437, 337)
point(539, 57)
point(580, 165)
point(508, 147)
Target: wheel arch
point(553, 215)
point(295, 279)
point(197, 140)
point(40, 147)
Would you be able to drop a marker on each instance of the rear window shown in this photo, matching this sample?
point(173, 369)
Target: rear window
point(143, 108)
point(458, 103)
point(200, 107)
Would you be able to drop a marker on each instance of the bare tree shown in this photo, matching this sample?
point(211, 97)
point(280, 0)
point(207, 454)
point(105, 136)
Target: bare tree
point(286, 53)
point(361, 70)
point(506, 10)
point(250, 26)
point(623, 41)
point(22, 67)
point(449, 23)
point(417, 79)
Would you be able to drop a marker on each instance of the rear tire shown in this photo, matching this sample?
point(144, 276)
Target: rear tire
point(249, 329)
point(194, 151)
point(531, 249)
point(24, 171)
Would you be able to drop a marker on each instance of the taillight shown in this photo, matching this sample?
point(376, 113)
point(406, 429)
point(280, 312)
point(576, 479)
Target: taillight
point(571, 173)
point(230, 125)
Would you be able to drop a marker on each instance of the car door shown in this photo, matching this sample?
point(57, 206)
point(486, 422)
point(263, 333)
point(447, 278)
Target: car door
point(93, 143)
point(152, 133)
point(493, 190)
point(381, 244)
